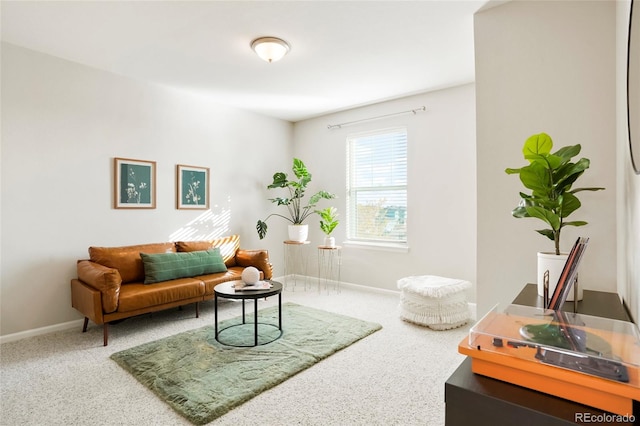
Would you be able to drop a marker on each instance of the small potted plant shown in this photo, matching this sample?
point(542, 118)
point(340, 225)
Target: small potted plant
point(550, 177)
point(328, 222)
point(297, 209)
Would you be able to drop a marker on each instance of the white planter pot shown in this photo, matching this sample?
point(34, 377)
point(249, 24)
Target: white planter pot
point(554, 264)
point(298, 233)
point(329, 242)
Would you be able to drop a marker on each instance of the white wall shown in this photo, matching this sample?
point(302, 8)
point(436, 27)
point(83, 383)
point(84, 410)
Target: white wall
point(628, 181)
point(62, 124)
point(543, 67)
point(441, 197)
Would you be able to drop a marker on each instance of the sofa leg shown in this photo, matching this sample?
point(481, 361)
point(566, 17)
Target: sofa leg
point(86, 322)
point(197, 310)
point(105, 329)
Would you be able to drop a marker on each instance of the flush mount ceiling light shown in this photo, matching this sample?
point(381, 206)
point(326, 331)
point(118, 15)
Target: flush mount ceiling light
point(270, 49)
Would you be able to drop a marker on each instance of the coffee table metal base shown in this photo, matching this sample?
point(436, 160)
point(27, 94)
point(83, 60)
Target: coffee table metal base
point(255, 323)
point(256, 335)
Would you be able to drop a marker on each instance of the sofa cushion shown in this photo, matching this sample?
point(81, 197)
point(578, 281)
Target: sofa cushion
point(127, 259)
point(136, 296)
point(160, 267)
point(228, 247)
point(256, 258)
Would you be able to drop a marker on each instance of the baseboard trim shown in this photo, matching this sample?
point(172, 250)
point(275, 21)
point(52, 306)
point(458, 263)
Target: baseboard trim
point(40, 331)
point(473, 309)
point(332, 283)
point(78, 323)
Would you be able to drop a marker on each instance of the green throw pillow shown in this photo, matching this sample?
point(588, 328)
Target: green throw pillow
point(160, 267)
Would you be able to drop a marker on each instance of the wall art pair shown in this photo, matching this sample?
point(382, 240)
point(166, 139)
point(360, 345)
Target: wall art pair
point(135, 185)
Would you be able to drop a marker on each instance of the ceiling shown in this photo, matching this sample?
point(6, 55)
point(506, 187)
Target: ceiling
point(343, 53)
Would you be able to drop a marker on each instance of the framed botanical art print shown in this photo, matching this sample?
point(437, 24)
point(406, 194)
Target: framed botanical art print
point(193, 187)
point(135, 184)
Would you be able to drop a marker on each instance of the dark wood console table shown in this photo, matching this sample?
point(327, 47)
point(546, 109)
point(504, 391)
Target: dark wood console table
point(595, 303)
point(472, 399)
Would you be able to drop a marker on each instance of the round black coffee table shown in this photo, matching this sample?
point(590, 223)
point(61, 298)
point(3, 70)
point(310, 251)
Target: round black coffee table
point(227, 291)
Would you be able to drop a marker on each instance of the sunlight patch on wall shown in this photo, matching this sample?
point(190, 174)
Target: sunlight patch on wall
point(211, 224)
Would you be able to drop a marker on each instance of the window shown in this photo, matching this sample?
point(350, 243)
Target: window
point(377, 186)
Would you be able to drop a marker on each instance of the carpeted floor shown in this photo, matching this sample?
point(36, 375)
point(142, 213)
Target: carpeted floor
point(393, 377)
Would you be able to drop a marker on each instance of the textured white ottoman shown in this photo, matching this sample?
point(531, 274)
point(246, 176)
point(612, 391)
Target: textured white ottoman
point(439, 303)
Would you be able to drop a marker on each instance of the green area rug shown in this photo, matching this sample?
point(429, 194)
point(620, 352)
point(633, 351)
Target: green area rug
point(202, 379)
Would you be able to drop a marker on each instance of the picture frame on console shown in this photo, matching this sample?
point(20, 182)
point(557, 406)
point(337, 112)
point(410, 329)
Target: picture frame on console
point(134, 184)
point(192, 192)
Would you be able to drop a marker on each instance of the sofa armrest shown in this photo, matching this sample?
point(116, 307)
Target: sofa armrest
point(104, 279)
point(87, 300)
point(256, 258)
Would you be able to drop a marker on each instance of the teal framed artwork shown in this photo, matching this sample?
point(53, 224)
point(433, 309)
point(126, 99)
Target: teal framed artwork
point(135, 184)
point(193, 187)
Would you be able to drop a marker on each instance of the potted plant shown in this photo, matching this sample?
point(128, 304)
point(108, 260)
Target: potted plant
point(550, 177)
point(297, 209)
point(328, 222)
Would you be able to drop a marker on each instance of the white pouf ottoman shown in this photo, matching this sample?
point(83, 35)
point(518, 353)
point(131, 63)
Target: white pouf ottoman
point(439, 303)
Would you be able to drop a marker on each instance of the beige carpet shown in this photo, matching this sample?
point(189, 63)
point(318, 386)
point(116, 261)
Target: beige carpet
point(393, 377)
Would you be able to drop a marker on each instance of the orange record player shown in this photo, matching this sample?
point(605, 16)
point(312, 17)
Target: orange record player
point(590, 360)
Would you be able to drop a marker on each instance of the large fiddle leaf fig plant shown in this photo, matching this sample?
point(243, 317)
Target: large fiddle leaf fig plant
point(550, 177)
point(297, 208)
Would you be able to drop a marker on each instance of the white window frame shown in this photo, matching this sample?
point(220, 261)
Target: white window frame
point(352, 189)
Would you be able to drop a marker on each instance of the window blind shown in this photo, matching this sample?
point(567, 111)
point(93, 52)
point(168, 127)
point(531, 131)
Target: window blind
point(377, 186)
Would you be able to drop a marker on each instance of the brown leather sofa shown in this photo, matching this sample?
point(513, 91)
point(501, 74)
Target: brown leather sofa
point(110, 284)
